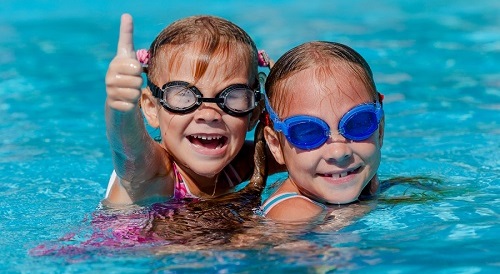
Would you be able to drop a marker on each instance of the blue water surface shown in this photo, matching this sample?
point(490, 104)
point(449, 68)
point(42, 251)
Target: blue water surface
point(435, 61)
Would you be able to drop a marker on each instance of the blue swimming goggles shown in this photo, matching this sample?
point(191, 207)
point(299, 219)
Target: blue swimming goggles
point(309, 132)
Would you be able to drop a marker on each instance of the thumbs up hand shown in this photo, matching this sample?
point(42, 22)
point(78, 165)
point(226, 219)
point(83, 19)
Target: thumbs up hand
point(123, 79)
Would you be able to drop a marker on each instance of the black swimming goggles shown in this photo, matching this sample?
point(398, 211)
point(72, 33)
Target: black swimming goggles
point(181, 97)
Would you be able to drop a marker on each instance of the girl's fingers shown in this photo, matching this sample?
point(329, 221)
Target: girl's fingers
point(125, 38)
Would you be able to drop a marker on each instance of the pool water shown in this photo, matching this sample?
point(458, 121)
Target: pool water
point(435, 61)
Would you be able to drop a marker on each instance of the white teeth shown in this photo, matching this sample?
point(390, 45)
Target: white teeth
point(208, 138)
point(337, 175)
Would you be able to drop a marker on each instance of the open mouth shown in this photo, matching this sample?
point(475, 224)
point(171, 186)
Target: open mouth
point(342, 174)
point(208, 141)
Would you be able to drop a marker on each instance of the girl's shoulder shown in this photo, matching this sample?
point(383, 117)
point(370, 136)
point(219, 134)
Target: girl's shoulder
point(291, 206)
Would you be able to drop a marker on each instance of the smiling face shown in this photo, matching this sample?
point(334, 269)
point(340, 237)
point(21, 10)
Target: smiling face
point(337, 171)
point(206, 140)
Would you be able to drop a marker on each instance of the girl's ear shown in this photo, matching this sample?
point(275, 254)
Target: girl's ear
point(150, 108)
point(274, 144)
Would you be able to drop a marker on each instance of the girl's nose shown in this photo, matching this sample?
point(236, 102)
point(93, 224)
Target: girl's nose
point(337, 149)
point(208, 113)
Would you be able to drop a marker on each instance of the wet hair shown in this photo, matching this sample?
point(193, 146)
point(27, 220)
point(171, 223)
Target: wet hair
point(211, 36)
point(316, 54)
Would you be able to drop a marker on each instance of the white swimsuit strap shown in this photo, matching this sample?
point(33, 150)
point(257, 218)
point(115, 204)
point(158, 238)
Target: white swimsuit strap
point(272, 202)
point(110, 183)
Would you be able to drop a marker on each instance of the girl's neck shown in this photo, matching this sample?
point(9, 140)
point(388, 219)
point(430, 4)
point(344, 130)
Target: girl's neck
point(201, 186)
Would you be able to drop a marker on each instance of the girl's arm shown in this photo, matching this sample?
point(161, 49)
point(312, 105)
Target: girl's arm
point(136, 156)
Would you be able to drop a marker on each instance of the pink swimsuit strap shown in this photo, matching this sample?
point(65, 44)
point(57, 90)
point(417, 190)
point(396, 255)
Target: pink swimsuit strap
point(181, 191)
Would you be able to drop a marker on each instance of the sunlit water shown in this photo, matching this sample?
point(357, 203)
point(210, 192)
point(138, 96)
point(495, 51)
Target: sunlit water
point(436, 62)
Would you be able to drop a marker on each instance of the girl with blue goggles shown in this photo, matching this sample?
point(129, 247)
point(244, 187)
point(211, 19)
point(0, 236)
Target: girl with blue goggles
point(309, 132)
point(332, 83)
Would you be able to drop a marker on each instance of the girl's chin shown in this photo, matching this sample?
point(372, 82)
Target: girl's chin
point(206, 169)
point(340, 199)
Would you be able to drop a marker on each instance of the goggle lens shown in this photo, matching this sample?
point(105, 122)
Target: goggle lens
point(307, 134)
point(359, 126)
point(240, 99)
point(179, 97)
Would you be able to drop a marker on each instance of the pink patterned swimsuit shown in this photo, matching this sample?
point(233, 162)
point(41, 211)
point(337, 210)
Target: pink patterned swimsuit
point(181, 191)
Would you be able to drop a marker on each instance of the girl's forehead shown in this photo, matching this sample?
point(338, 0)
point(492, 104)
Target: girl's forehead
point(186, 62)
point(310, 90)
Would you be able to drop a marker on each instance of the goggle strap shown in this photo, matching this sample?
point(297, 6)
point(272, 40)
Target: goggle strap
point(156, 91)
point(379, 110)
point(258, 96)
point(272, 114)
